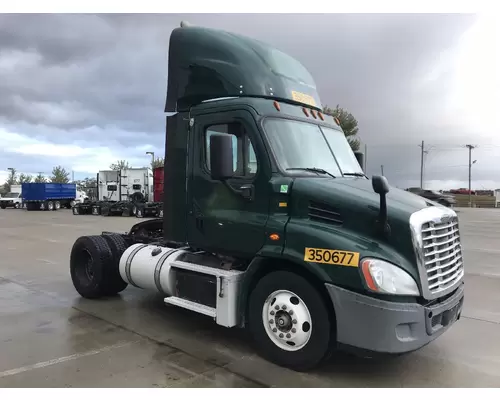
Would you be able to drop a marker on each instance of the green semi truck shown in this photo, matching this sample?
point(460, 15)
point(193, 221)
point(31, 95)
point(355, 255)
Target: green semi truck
point(270, 223)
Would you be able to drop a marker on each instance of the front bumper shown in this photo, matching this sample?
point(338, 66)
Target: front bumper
point(387, 327)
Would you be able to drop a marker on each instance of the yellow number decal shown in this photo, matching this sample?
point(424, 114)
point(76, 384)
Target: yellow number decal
point(334, 257)
point(303, 98)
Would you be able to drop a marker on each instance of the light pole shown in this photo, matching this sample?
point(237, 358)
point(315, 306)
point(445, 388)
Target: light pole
point(152, 157)
point(152, 167)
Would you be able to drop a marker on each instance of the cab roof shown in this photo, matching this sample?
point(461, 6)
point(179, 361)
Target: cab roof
point(207, 63)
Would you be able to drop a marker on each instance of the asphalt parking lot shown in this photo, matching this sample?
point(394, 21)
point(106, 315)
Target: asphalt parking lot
point(50, 337)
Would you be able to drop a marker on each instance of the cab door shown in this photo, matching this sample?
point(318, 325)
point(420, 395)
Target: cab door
point(221, 220)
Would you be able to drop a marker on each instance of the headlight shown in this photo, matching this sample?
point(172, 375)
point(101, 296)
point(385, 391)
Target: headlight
point(386, 278)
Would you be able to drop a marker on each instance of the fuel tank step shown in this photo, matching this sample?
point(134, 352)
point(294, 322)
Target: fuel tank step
point(191, 305)
point(222, 273)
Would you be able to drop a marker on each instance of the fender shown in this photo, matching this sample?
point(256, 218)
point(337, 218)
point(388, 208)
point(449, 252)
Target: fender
point(263, 264)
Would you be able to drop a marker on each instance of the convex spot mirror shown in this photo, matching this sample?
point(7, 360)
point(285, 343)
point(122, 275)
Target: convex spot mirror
point(380, 184)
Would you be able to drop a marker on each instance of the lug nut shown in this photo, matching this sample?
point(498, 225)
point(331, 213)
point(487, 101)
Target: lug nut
point(272, 312)
point(288, 335)
point(275, 330)
point(281, 335)
point(290, 312)
point(284, 307)
point(277, 307)
point(294, 321)
point(271, 321)
point(294, 330)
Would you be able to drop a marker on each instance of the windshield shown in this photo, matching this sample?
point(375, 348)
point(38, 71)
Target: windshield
point(304, 145)
point(12, 194)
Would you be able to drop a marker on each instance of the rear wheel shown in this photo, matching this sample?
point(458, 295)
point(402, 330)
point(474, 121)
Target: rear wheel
point(57, 205)
point(289, 321)
point(50, 206)
point(89, 260)
point(118, 245)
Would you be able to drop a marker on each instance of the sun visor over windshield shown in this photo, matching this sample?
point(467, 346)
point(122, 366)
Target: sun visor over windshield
point(206, 64)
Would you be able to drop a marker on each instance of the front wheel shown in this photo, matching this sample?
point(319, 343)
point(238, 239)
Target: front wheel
point(17, 205)
point(289, 321)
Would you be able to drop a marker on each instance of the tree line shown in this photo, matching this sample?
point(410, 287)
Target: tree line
point(59, 175)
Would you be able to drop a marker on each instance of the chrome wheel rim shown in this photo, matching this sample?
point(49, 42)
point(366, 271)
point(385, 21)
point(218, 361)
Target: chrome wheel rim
point(287, 320)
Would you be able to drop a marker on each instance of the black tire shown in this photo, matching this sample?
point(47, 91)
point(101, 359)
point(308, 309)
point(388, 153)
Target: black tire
point(89, 261)
point(318, 347)
point(118, 245)
point(137, 197)
point(17, 205)
point(3, 206)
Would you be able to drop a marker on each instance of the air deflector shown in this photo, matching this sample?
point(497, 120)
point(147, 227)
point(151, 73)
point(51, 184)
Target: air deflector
point(205, 63)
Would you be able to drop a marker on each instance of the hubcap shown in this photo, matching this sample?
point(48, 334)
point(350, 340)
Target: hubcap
point(287, 320)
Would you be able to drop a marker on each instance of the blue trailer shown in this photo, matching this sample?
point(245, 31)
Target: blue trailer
point(48, 196)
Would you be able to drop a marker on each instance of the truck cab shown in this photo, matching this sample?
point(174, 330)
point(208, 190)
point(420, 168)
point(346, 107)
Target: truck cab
point(270, 223)
point(12, 199)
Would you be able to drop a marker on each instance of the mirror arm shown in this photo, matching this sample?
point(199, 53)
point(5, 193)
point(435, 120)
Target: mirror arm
point(383, 220)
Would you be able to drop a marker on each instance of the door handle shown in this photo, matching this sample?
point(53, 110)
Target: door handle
point(247, 192)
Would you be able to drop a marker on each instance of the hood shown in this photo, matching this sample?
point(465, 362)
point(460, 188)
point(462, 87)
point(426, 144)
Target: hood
point(358, 192)
point(356, 206)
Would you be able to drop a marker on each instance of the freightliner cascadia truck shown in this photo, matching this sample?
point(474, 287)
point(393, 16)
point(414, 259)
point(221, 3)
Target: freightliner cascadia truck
point(270, 223)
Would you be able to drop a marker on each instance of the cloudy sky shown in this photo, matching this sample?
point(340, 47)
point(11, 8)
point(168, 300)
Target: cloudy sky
point(85, 90)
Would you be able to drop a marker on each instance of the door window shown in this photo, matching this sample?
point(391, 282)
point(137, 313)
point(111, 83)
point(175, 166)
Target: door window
point(244, 158)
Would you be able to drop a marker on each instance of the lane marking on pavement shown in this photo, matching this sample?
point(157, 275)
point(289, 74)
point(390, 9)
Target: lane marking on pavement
point(483, 250)
point(46, 261)
point(59, 360)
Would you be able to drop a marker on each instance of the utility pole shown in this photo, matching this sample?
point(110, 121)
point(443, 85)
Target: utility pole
point(470, 147)
point(382, 169)
point(422, 164)
point(366, 152)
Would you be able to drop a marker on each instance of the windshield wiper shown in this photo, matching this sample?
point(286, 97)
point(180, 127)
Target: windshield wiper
point(317, 170)
point(354, 174)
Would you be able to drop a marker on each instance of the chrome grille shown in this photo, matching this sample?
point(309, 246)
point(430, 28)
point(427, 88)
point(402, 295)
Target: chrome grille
point(442, 254)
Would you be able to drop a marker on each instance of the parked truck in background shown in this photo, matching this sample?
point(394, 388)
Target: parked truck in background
point(122, 192)
point(153, 208)
point(12, 199)
point(48, 196)
point(298, 246)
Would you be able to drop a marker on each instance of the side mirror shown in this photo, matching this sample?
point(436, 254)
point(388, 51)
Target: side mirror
point(361, 159)
point(380, 184)
point(221, 156)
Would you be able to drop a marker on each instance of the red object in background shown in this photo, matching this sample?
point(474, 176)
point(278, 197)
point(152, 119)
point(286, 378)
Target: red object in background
point(158, 184)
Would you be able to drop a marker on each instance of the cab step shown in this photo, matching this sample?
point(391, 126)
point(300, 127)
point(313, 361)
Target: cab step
point(191, 305)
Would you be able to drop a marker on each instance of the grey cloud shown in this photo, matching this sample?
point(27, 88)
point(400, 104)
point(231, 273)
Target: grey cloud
point(102, 79)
